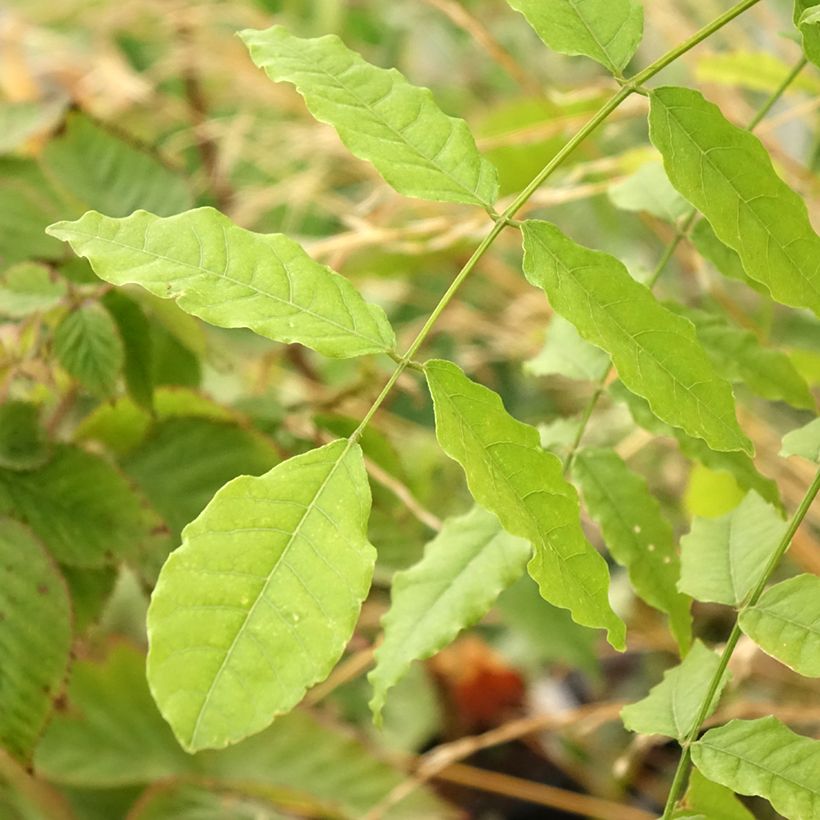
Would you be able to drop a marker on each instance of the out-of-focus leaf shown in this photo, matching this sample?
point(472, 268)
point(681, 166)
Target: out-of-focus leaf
point(727, 174)
point(804, 441)
point(35, 637)
point(186, 801)
point(763, 757)
point(649, 189)
point(723, 558)
point(754, 70)
point(262, 597)
point(509, 474)
point(785, 623)
point(715, 801)
point(380, 117)
point(671, 707)
point(608, 31)
point(807, 20)
point(565, 353)
point(20, 121)
point(723, 258)
point(231, 277)
point(636, 534)
point(89, 590)
point(22, 445)
point(27, 288)
point(88, 345)
point(711, 493)
point(135, 332)
point(656, 353)
point(464, 569)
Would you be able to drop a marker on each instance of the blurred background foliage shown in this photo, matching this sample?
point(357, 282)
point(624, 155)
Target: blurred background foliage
point(121, 415)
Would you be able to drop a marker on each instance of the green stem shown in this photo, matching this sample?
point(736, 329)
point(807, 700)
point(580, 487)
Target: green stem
point(630, 86)
point(753, 597)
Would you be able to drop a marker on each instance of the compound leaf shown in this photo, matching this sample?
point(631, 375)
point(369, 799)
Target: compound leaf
point(671, 707)
point(380, 117)
point(785, 623)
point(231, 277)
point(726, 173)
point(764, 757)
point(608, 31)
point(260, 600)
point(656, 354)
point(636, 534)
point(722, 558)
point(464, 569)
point(804, 441)
point(35, 637)
point(509, 474)
point(88, 345)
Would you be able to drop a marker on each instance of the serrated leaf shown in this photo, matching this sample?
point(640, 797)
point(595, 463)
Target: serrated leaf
point(715, 801)
point(263, 593)
point(804, 441)
point(656, 353)
point(231, 277)
point(22, 444)
point(28, 288)
point(739, 356)
point(785, 623)
point(739, 465)
point(636, 534)
point(765, 758)
point(565, 353)
point(88, 345)
point(79, 505)
point(608, 31)
point(464, 569)
point(510, 475)
point(380, 117)
point(722, 558)
point(726, 173)
point(649, 189)
point(671, 707)
point(35, 637)
point(807, 20)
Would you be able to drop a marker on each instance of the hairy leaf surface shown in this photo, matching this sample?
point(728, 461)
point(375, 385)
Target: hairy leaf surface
point(636, 534)
point(656, 354)
point(785, 623)
point(380, 117)
point(464, 569)
point(726, 173)
point(722, 558)
point(509, 474)
point(35, 637)
point(231, 277)
point(261, 598)
point(608, 31)
point(804, 441)
point(764, 757)
point(671, 707)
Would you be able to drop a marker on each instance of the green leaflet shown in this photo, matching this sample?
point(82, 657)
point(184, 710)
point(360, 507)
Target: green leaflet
point(785, 623)
point(185, 801)
point(231, 277)
point(739, 356)
point(135, 332)
point(35, 637)
point(739, 465)
point(22, 444)
point(649, 189)
point(807, 19)
point(656, 353)
point(260, 600)
point(464, 569)
point(88, 345)
point(565, 353)
point(722, 558)
point(763, 757)
point(27, 288)
point(636, 534)
point(716, 802)
point(721, 257)
point(608, 31)
point(380, 117)
point(81, 508)
point(727, 174)
point(804, 441)
point(509, 474)
point(671, 707)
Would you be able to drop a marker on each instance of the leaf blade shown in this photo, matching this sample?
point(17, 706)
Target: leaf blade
point(396, 126)
point(231, 277)
point(475, 430)
point(804, 442)
point(656, 354)
point(208, 637)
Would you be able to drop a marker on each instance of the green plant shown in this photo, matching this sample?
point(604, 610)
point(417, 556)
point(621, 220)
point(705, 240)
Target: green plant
point(262, 598)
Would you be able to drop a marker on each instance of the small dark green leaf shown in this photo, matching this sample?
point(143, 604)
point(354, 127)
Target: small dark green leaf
point(22, 445)
point(135, 332)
